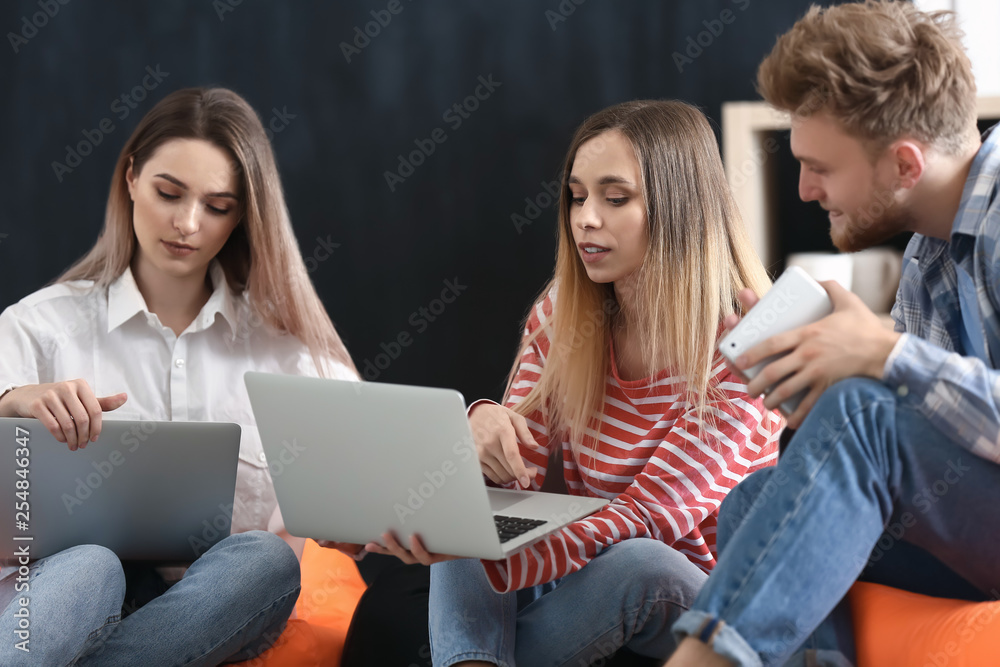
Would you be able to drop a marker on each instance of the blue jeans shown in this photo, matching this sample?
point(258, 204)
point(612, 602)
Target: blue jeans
point(867, 487)
point(628, 596)
point(231, 605)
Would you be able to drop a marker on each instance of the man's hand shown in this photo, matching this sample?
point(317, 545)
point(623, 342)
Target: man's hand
point(850, 342)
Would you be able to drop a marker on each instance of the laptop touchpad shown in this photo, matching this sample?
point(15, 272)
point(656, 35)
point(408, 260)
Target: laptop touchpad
point(501, 499)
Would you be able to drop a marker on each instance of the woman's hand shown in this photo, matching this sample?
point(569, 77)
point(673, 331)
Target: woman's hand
point(416, 554)
point(355, 551)
point(497, 431)
point(69, 410)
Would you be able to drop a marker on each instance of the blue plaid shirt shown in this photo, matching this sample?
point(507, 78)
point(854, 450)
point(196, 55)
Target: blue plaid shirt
point(947, 360)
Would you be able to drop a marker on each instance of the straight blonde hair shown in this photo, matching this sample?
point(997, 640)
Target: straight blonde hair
point(699, 258)
point(262, 256)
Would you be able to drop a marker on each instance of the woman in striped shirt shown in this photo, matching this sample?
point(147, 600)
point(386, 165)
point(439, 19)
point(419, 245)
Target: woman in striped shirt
point(617, 392)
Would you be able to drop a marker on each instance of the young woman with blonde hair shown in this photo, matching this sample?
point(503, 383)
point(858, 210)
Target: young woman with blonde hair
point(617, 392)
point(195, 279)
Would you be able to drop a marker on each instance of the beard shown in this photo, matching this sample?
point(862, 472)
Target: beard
point(872, 224)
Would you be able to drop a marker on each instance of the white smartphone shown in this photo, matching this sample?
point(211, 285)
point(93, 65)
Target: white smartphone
point(794, 300)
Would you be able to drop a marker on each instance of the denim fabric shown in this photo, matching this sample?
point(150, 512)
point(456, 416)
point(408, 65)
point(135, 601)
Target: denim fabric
point(66, 610)
point(628, 596)
point(866, 473)
point(231, 605)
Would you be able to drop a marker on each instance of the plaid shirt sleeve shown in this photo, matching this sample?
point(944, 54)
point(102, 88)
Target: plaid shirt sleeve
point(960, 395)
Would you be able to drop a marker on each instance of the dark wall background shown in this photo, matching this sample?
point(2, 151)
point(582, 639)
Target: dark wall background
point(342, 125)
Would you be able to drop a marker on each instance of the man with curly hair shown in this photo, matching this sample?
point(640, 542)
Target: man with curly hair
point(892, 475)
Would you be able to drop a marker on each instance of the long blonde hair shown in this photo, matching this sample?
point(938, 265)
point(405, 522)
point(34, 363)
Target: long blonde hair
point(699, 258)
point(261, 256)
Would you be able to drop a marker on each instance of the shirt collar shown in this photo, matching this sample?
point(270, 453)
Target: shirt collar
point(125, 301)
point(222, 302)
point(982, 179)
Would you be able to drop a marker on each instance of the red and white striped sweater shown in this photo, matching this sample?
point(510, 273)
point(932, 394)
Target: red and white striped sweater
point(665, 473)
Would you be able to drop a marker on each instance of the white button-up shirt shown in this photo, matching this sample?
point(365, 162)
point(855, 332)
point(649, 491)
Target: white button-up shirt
point(110, 339)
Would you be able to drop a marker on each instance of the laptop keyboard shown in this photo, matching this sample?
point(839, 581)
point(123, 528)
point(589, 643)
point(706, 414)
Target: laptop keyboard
point(509, 527)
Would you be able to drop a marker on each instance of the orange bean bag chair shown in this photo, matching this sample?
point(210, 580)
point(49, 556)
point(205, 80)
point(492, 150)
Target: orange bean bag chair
point(894, 628)
point(331, 588)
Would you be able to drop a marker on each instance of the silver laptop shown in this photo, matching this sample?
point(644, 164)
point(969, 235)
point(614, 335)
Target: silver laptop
point(353, 460)
point(147, 490)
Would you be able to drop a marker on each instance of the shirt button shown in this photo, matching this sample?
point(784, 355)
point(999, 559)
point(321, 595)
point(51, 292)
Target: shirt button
point(179, 363)
point(263, 459)
point(903, 390)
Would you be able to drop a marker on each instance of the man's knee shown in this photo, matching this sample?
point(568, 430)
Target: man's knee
point(852, 394)
point(858, 405)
